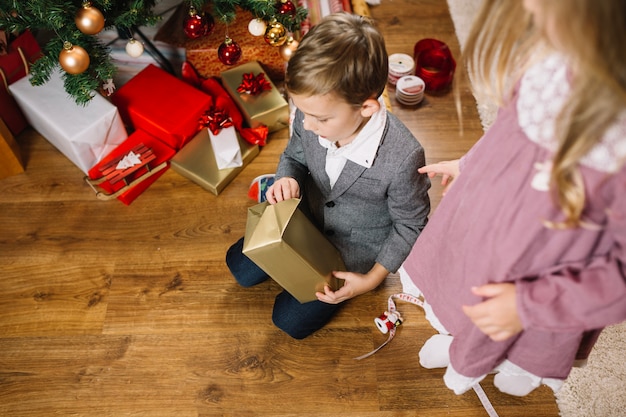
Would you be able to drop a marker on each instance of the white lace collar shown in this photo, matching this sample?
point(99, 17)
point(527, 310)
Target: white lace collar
point(544, 90)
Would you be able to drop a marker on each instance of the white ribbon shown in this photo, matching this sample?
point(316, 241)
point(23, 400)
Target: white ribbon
point(391, 308)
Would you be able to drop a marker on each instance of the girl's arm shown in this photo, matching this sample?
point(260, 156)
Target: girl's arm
point(449, 170)
point(587, 296)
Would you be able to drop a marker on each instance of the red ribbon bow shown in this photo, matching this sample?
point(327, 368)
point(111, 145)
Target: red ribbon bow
point(212, 87)
point(216, 119)
point(254, 85)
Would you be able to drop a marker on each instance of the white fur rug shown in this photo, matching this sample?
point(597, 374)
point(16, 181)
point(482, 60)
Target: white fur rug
point(599, 388)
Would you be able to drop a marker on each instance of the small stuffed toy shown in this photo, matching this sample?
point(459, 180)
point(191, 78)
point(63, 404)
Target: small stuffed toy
point(259, 186)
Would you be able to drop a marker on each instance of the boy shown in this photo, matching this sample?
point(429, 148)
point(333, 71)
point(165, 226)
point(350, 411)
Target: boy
point(354, 164)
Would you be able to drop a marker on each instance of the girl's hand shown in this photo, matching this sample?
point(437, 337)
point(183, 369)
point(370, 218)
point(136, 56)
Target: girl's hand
point(497, 316)
point(282, 189)
point(449, 170)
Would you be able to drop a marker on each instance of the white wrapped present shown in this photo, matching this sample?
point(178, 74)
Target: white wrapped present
point(84, 134)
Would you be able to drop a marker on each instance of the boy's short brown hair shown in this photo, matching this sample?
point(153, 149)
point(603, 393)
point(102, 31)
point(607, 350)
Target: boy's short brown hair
point(344, 54)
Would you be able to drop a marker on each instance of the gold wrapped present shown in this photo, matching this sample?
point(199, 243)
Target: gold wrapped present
point(196, 161)
point(284, 243)
point(10, 156)
point(360, 7)
point(258, 105)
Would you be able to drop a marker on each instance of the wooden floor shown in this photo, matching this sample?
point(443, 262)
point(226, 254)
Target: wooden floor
point(109, 310)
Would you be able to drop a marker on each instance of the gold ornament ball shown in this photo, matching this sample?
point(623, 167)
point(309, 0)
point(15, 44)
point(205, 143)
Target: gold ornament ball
point(73, 59)
point(276, 34)
point(288, 48)
point(89, 20)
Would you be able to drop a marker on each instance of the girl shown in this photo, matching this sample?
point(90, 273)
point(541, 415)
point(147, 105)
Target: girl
point(525, 257)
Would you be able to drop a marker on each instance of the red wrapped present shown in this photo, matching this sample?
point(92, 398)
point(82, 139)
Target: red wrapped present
point(202, 52)
point(15, 64)
point(162, 105)
point(3, 42)
point(131, 168)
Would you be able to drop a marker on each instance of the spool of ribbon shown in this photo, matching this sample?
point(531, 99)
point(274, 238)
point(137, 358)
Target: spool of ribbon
point(216, 119)
point(388, 322)
point(254, 85)
point(434, 64)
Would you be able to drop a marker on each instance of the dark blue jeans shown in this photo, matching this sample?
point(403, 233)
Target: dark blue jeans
point(298, 320)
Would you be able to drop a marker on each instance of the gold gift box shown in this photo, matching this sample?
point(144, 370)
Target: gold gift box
point(268, 108)
point(196, 161)
point(10, 156)
point(284, 243)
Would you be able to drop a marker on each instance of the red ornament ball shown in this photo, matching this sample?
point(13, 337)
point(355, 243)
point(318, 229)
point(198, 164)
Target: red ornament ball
point(287, 7)
point(197, 25)
point(229, 52)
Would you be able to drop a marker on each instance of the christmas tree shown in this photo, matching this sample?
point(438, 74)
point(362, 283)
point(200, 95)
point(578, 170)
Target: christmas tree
point(73, 25)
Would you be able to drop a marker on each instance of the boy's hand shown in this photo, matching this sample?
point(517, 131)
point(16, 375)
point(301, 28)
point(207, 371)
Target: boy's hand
point(354, 284)
point(497, 316)
point(449, 170)
point(282, 189)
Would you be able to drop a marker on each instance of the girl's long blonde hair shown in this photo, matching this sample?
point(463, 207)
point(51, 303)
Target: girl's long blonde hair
point(592, 35)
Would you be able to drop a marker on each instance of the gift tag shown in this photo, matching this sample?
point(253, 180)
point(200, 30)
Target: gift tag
point(226, 148)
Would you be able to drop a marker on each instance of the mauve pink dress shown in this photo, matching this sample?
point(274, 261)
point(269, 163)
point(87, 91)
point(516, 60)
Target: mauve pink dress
point(488, 229)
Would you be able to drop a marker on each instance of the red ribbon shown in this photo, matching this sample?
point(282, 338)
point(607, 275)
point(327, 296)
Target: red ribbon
point(434, 63)
point(254, 85)
point(216, 119)
point(221, 99)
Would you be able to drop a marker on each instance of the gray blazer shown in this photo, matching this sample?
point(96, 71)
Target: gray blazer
point(371, 214)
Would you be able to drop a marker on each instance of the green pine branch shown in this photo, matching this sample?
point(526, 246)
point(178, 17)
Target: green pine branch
point(57, 17)
point(226, 11)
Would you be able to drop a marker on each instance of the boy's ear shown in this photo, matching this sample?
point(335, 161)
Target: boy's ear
point(369, 107)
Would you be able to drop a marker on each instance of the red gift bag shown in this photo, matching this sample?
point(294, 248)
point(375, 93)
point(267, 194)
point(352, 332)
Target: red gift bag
point(131, 168)
point(21, 52)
